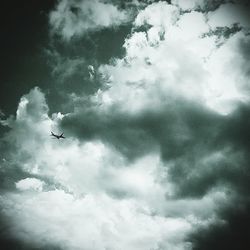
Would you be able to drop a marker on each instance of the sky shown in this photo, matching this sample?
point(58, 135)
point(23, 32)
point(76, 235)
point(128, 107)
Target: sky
point(153, 98)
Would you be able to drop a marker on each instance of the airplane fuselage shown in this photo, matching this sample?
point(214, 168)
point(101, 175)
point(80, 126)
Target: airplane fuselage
point(58, 136)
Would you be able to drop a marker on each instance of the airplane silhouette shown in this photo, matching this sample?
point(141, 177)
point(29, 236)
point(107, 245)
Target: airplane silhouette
point(58, 136)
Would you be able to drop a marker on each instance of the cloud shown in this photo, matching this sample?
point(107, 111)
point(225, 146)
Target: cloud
point(155, 59)
point(94, 222)
point(229, 14)
point(181, 92)
point(76, 18)
point(229, 235)
point(29, 184)
point(205, 5)
point(155, 158)
point(89, 189)
point(91, 72)
point(165, 15)
point(64, 68)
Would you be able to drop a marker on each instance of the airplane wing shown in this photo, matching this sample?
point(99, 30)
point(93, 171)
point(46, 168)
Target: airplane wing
point(57, 136)
point(53, 135)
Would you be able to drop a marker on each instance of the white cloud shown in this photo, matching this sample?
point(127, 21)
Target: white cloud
point(76, 18)
point(91, 72)
point(191, 26)
point(158, 14)
point(184, 63)
point(187, 5)
point(96, 199)
point(91, 197)
point(30, 184)
point(92, 222)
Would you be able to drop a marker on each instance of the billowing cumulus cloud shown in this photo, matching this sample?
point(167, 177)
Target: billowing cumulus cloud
point(156, 157)
point(29, 183)
point(76, 18)
point(91, 190)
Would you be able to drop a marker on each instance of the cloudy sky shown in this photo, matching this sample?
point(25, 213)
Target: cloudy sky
point(153, 98)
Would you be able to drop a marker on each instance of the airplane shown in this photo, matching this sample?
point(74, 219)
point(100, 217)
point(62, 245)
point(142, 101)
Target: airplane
point(58, 136)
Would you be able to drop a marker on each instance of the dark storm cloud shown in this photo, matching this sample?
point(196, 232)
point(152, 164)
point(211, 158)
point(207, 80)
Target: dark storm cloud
point(9, 174)
point(244, 49)
point(232, 234)
point(200, 167)
point(177, 129)
point(206, 150)
point(125, 133)
point(9, 241)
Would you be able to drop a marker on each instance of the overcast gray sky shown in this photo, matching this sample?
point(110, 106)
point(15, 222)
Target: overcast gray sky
point(153, 99)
